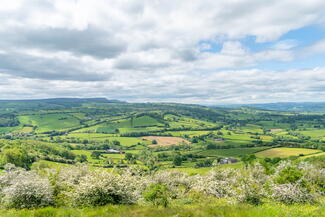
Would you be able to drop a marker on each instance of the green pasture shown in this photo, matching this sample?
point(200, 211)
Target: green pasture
point(190, 133)
point(125, 141)
point(186, 122)
point(127, 125)
point(231, 152)
point(49, 122)
point(286, 152)
point(4, 130)
point(313, 133)
point(251, 128)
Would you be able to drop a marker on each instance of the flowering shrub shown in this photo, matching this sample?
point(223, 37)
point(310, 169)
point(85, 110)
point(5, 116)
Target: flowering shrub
point(217, 183)
point(288, 183)
point(252, 185)
point(177, 182)
point(24, 189)
point(292, 193)
point(101, 188)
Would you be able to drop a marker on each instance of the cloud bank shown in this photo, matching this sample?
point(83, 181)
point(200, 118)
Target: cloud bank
point(180, 51)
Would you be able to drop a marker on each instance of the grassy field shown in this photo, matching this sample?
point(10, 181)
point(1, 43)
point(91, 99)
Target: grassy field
point(314, 133)
point(209, 209)
point(129, 125)
point(188, 133)
point(48, 122)
point(286, 152)
point(313, 155)
point(232, 152)
point(4, 130)
point(125, 141)
point(164, 140)
point(205, 170)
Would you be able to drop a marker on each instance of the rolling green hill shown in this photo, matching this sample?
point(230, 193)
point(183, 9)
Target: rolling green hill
point(210, 133)
point(175, 146)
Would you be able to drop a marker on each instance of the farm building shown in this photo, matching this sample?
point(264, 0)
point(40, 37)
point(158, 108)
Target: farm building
point(219, 139)
point(114, 151)
point(227, 160)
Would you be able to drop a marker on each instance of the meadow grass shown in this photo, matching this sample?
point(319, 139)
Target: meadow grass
point(313, 155)
point(205, 170)
point(314, 133)
point(24, 130)
point(48, 122)
point(232, 152)
point(179, 122)
point(220, 209)
point(286, 152)
point(125, 141)
point(189, 133)
point(4, 130)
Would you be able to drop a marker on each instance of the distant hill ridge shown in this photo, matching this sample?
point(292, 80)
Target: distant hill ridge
point(62, 100)
point(285, 106)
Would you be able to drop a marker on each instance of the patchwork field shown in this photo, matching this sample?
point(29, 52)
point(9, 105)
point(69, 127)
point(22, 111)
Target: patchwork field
point(195, 135)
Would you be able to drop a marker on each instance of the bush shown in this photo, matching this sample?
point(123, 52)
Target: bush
point(289, 175)
point(292, 193)
point(100, 188)
point(157, 194)
point(79, 186)
point(177, 160)
point(18, 157)
point(220, 184)
point(177, 182)
point(22, 189)
point(252, 185)
point(204, 163)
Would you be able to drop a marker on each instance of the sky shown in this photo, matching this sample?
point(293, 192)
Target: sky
point(186, 51)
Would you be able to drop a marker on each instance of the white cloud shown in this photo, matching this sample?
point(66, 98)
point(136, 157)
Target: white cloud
point(316, 48)
point(285, 44)
point(122, 48)
point(234, 86)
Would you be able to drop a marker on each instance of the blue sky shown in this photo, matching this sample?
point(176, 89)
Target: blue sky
point(199, 51)
point(296, 40)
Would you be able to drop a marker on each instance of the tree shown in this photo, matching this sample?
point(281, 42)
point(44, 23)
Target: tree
point(18, 157)
point(130, 158)
point(82, 158)
point(96, 154)
point(248, 159)
point(116, 143)
point(211, 146)
point(204, 163)
point(177, 160)
point(154, 142)
point(148, 159)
